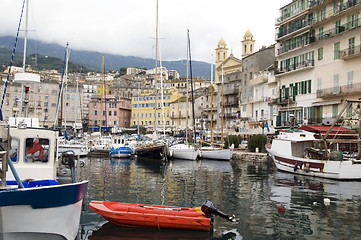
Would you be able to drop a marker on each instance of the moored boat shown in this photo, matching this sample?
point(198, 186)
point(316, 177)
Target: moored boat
point(183, 151)
point(297, 151)
point(120, 148)
point(216, 153)
point(42, 208)
point(158, 216)
point(151, 152)
point(312, 154)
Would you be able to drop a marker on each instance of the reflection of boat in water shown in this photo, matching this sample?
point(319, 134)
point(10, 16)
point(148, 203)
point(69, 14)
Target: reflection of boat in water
point(329, 187)
point(214, 165)
point(178, 165)
point(111, 231)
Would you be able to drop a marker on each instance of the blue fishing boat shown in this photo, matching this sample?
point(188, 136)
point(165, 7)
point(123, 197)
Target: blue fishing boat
point(120, 147)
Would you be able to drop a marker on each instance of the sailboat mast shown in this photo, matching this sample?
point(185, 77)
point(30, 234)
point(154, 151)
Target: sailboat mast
point(156, 71)
point(101, 98)
point(211, 104)
point(24, 56)
point(105, 98)
point(66, 82)
point(222, 108)
point(190, 70)
point(26, 33)
point(138, 109)
point(162, 94)
point(187, 95)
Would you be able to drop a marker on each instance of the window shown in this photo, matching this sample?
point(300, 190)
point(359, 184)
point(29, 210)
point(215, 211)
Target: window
point(320, 53)
point(336, 49)
point(95, 112)
point(110, 113)
point(351, 46)
point(336, 84)
point(339, 28)
point(334, 110)
point(320, 33)
point(115, 113)
point(349, 79)
point(319, 83)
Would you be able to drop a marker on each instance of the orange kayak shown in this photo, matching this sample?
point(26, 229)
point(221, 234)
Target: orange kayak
point(152, 216)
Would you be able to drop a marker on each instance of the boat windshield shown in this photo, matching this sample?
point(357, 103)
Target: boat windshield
point(37, 150)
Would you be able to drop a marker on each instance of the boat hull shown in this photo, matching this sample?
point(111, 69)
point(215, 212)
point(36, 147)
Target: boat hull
point(121, 152)
point(216, 154)
point(339, 170)
point(155, 153)
point(152, 216)
point(182, 151)
point(51, 212)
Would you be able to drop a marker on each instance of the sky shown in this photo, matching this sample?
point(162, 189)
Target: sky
point(127, 27)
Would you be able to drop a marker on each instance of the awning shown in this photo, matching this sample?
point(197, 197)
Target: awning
point(316, 104)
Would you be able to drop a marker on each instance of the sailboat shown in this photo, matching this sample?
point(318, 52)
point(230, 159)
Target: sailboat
point(100, 145)
point(34, 205)
point(156, 150)
point(64, 145)
point(212, 152)
point(184, 150)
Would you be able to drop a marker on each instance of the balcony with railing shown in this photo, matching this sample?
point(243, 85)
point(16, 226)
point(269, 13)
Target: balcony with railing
point(297, 66)
point(231, 102)
point(326, 34)
point(231, 90)
point(294, 28)
point(352, 51)
point(351, 88)
point(287, 12)
point(296, 45)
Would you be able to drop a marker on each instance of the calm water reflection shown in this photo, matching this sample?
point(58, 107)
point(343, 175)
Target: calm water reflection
point(252, 191)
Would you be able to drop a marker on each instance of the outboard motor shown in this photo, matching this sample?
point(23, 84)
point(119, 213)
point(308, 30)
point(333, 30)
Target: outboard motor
point(209, 209)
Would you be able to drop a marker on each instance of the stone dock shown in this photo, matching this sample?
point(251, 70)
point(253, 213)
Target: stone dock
point(249, 156)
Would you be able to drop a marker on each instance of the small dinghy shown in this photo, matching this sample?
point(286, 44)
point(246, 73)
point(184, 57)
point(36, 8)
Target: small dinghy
point(155, 216)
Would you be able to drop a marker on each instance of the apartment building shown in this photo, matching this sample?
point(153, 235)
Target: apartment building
point(318, 56)
point(108, 111)
point(147, 108)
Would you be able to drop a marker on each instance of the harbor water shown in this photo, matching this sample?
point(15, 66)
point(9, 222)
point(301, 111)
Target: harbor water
point(268, 204)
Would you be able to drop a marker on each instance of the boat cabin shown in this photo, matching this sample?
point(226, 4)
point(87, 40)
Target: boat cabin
point(293, 142)
point(33, 152)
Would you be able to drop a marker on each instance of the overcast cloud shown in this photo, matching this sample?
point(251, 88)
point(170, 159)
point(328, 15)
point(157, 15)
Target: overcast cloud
point(127, 27)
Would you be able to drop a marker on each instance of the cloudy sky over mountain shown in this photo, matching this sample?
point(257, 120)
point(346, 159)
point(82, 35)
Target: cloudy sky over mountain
point(127, 27)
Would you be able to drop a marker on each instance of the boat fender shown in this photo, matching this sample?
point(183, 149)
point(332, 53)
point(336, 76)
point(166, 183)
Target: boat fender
point(170, 153)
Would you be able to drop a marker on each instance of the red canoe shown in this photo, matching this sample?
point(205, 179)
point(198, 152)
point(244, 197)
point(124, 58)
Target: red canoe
point(152, 216)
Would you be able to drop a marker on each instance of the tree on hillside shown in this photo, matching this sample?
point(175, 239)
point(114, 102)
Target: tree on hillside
point(122, 71)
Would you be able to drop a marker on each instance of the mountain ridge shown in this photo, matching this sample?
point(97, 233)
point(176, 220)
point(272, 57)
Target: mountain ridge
point(93, 59)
